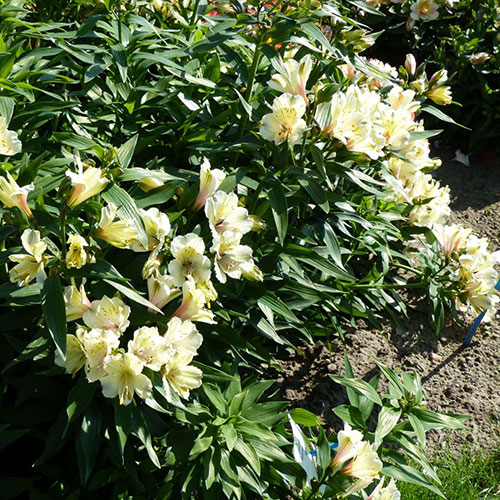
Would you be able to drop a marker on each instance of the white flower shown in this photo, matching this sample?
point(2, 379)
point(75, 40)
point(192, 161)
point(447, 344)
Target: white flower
point(75, 355)
point(161, 290)
point(424, 9)
point(292, 78)
point(29, 266)
point(12, 195)
point(390, 492)
point(365, 465)
point(149, 183)
point(124, 378)
point(224, 214)
point(150, 347)
point(210, 180)
point(157, 226)
point(180, 376)
point(98, 346)
point(193, 302)
point(77, 256)
point(183, 336)
point(189, 260)
point(232, 259)
point(403, 99)
point(120, 234)
point(397, 125)
point(9, 142)
point(285, 123)
point(452, 238)
point(108, 314)
point(349, 441)
point(86, 184)
point(76, 302)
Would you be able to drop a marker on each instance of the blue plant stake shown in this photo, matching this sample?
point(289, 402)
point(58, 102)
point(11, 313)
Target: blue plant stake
point(313, 453)
point(476, 324)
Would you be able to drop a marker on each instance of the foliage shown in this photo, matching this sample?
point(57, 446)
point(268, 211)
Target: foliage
point(181, 192)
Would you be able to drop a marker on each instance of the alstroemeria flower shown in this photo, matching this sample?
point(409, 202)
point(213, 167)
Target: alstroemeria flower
point(12, 195)
point(224, 214)
point(424, 9)
point(292, 78)
point(150, 347)
point(285, 123)
point(86, 184)
point(124, 378)
point(180, 376)
point(29, 266)
point(193, 302)
point(157, 227)
point(183, 336)
point(231, 259)
point(75, 355)
point(98, 346)
point(161, 290)
point(120, 234)
point(210, 180)
point(108, 314)
point(76, 255)
point(149, 183)
point(76, 302)
point(9, 142)
point(349, 441)
point(188, 259)
point(365, 465)
point(390, 492)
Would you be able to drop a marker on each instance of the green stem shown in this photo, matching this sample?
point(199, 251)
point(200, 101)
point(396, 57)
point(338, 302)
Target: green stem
point(63, 231)
point(386, 287)
point(195, 12)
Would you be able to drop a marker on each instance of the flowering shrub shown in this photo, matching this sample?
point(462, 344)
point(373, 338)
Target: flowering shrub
point(185, 186)
point(457, 35)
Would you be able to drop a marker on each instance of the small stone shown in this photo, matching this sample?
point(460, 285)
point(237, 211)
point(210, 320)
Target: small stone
point(436, 357)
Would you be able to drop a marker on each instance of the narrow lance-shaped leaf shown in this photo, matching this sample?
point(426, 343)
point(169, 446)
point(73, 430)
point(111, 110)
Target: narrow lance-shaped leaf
point(54, 311)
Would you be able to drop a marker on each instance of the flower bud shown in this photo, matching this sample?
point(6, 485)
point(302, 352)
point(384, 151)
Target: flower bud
point(149, 183)
point(480, 58)
point(410, 64)
point(418, 86)
point(440, 95)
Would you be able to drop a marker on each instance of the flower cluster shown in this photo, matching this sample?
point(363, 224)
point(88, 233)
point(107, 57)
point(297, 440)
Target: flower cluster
point(124, 362)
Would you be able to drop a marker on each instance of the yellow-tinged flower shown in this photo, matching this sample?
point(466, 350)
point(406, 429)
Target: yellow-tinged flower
point(440, 95)
point(149, 183)
point(183, 336)
point(150, 347)
point(108, 314)
point(12, 195)
point(157, 227)
point(293, 76)
point(29, 266)
point(231, 258)
point(452, 238)
point(98, 346)
point(76, 302)
point(124, 378)
point(75, 355)
point(224, 214)
point(86, 184)
point(424, 9)
point(208, 289)
point(9, 142)
point(365, 465)
point(180, 376)
point(210, 180)
point(161, 290)
point(390, 492)
point(77, 256)
point(285, 123)
point(349, 441)
point(193, 302)
point(120, 234)
point(189, 260)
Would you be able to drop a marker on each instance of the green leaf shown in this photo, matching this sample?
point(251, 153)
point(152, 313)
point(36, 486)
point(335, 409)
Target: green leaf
point(438, 420)
point(359, 386)
point(279, 209)
point(408, 474)
point(387, 420)
point(88, 442)
point(316, 193)
point(442, 116)
point(126, 151)
point(248, 453)
point(418, 428)
point(54, 311)
point(278, 306)
point(133, 295)
point(305, 417)
point(333, 244)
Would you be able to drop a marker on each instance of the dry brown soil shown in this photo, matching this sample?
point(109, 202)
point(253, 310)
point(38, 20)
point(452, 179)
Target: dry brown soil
point(455, 379)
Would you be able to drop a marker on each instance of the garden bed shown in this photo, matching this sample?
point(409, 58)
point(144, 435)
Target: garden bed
point(455, 379)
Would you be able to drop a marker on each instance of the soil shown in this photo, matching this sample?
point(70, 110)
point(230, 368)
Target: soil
point(456, 379)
